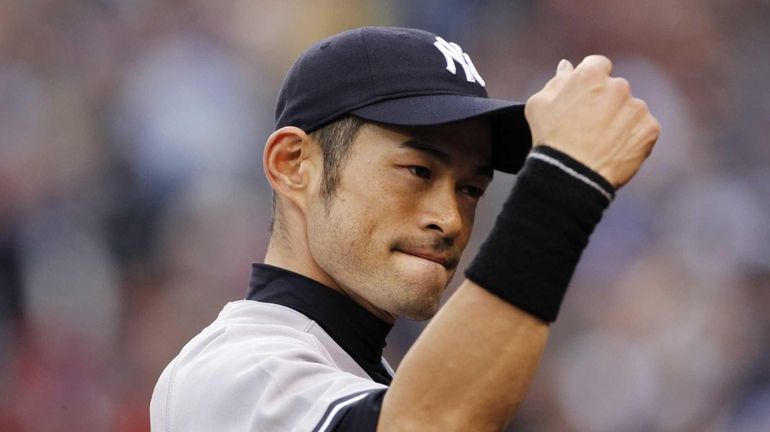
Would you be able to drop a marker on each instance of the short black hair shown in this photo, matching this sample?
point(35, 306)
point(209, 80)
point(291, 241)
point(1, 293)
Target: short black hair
point(335, 140)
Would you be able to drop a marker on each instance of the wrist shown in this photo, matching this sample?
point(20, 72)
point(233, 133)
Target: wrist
point(533, 249)
point(587, 161)
point(576, 169)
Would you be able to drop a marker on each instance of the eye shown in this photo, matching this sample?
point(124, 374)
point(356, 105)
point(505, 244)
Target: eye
point(420, 171)
point(473, 192)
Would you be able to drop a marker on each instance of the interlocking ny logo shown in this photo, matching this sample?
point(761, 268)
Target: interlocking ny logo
point(453, 53)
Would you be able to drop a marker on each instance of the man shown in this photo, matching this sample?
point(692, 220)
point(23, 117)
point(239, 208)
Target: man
point(385, 140)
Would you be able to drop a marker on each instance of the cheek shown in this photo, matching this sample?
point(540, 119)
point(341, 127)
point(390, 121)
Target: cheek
point(346, 238)
point(469, 217)
point(382, 205)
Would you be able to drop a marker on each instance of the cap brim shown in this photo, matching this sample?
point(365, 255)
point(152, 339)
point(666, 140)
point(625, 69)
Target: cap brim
point(510, 132)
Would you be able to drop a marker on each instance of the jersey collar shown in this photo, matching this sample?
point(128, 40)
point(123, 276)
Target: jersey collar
point(359, 332)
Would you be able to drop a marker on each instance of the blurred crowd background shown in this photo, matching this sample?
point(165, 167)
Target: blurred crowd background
point(132, 199)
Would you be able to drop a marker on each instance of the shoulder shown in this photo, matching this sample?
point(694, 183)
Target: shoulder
point(256, 362)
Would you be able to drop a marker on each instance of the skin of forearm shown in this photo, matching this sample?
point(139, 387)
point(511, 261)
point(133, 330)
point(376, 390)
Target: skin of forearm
point(469, 370)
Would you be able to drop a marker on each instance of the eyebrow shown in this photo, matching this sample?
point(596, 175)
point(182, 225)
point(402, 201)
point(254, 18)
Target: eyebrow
point(442, 156)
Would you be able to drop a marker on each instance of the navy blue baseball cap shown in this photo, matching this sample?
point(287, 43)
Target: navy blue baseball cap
point(400, 77)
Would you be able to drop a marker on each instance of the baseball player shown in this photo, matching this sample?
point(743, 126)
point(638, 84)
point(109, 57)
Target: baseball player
point(385, 140)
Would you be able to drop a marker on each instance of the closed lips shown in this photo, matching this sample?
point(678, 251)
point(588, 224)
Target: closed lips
point(440, 259)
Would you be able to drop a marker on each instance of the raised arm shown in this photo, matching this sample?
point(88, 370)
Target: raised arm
point(472, 365)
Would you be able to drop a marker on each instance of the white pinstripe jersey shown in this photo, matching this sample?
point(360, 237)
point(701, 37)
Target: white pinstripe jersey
point(265, 366)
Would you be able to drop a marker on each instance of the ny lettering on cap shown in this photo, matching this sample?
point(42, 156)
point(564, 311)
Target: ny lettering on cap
point(453, 53)
point(402, 77)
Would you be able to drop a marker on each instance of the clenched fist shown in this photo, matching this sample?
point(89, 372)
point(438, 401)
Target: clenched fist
point(594, 118)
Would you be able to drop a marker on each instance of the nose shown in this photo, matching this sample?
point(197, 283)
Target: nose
point(441, 212)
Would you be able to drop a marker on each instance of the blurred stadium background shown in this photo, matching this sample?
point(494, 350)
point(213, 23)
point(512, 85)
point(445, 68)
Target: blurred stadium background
point(132, 199)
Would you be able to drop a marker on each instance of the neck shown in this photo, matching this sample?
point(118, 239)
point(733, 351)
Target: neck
point(291, 252)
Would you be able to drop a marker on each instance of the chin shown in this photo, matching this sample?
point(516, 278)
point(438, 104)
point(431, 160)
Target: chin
point(420, 301)
point(420, 312)
point(421, 275)
point(416, 287)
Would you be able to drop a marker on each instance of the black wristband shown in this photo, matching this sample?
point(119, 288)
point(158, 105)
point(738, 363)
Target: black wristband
point(530, 255)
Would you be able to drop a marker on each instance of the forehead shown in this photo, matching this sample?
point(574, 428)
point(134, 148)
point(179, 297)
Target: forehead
point(470, 141)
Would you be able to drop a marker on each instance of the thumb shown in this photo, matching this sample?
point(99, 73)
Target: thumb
point(564, 67)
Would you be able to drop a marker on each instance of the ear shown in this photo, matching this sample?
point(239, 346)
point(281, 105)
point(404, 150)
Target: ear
point(290, 161)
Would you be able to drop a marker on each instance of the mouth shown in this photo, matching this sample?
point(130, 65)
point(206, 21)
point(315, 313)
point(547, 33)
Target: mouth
point(446, 261)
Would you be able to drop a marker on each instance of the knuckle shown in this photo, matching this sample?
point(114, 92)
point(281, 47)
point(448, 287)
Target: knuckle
point(598, 59)
point(594, 67)
point(655, 126)
point(621, 85)
point(598, 64)
point(654, 123)
point(640, 105)
point(590, 71)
